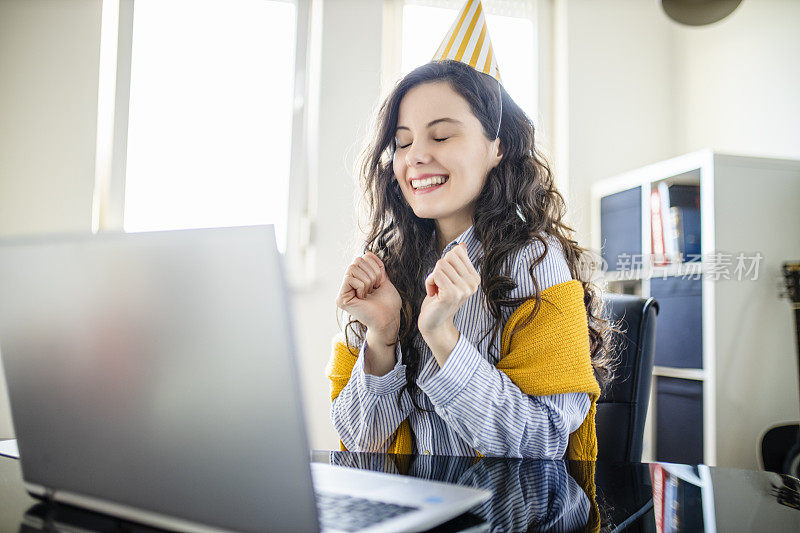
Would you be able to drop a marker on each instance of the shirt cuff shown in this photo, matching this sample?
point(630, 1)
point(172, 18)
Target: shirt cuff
point(443, 386)
point(390, 382)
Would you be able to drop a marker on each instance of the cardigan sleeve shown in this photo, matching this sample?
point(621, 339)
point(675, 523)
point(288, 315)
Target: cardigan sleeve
point(366, 413)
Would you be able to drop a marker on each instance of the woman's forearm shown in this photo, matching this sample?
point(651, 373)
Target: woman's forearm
point(366, 413)
point(379, 355)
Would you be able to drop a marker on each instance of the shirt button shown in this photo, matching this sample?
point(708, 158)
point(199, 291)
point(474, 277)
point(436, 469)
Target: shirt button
point(427, 452)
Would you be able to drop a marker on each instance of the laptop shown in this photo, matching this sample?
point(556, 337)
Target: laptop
point(151, 376)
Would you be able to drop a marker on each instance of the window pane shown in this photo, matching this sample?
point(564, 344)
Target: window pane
point(513, 41)
point(210, 114)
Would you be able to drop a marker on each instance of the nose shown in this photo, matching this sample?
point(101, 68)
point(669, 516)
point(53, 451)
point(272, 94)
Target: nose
point(418, 154)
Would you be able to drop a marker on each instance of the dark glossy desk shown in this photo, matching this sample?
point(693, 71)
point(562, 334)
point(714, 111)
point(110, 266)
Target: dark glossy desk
point(529, 495)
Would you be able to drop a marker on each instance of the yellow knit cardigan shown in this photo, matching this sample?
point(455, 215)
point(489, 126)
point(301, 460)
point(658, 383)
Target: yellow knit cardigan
point(549, 355)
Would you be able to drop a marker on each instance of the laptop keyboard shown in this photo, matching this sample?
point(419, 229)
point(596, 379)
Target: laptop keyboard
point(340, 511)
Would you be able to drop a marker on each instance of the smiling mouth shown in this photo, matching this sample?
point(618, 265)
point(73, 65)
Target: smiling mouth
point(429, 183)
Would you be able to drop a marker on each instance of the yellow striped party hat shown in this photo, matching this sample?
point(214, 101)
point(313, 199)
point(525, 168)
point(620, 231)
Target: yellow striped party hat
point(468, 41)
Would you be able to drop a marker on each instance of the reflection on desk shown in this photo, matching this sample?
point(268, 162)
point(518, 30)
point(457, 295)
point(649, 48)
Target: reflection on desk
point(533, 495)
point(529, 495)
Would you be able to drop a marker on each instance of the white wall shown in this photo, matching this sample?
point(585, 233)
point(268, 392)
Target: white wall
point(642, 88)
point(619, 103)
point(49, 52)
point(349, 89)
point(737, 82)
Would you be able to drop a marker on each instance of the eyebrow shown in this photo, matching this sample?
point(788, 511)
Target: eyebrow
point(434, 122)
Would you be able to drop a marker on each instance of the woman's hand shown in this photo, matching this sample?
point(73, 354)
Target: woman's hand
point(369, 296)
point(453, 280)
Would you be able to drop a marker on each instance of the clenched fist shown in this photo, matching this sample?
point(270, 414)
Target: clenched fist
point(369, 296)
point(453, 280)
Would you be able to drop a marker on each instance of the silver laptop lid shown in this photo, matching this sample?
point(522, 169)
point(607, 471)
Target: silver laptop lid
point(156, 371)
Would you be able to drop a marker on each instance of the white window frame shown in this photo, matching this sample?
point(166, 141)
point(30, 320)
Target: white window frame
point(114, 84)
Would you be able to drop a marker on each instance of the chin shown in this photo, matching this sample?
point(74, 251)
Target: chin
point(427, 213)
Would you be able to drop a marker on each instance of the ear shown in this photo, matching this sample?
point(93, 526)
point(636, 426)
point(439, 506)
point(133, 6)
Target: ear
point(496, 153)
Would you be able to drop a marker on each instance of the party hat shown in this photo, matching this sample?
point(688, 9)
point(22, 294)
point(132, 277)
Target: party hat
point(468, 41)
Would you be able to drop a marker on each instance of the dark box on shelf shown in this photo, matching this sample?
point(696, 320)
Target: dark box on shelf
point(679, 420)
point(621, 226)
point(679, 338)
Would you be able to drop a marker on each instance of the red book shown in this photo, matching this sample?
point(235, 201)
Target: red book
point(657, 229)
point(657, 478)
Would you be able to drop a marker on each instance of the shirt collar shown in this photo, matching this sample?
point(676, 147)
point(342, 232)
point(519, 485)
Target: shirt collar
point(474, 249)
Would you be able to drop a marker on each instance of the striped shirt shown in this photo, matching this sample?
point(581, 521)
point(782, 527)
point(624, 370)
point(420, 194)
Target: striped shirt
point(470, 406)
point(527, 495)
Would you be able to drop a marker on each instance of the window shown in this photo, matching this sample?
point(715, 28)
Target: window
point(210, 114)
point(511, 28)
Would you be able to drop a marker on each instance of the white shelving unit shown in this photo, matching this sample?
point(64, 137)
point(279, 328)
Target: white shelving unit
point(748, 205)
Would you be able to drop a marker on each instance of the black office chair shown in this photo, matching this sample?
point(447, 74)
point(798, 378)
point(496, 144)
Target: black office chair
point(622, 408)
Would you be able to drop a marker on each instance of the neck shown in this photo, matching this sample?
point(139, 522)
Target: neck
point(449, 229)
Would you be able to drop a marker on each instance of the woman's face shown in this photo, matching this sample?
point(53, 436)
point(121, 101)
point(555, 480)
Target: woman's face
point(441, 144)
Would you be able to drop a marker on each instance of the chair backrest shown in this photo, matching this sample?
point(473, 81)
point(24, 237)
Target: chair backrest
point(622, 408)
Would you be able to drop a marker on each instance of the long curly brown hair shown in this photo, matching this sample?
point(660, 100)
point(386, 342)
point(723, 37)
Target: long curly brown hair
point(518, 203)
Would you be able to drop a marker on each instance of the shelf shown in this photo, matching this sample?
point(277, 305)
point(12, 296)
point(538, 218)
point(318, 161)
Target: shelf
point(690, 177)
point(697, 374)
point(717, 329)
point(685, 472)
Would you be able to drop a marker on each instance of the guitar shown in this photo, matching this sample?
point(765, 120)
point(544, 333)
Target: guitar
point(780, 445)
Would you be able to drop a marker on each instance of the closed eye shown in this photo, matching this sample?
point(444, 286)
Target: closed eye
point(435, 139)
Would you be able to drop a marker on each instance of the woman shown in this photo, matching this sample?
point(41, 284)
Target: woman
point(466, 237)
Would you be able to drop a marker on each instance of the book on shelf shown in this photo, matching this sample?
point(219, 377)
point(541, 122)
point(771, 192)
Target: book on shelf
point(687, 236)
point(657, 475)
point(671, 506)
point(675, 223)
point(667, 227)
point(657, 229)
point(667, 499)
